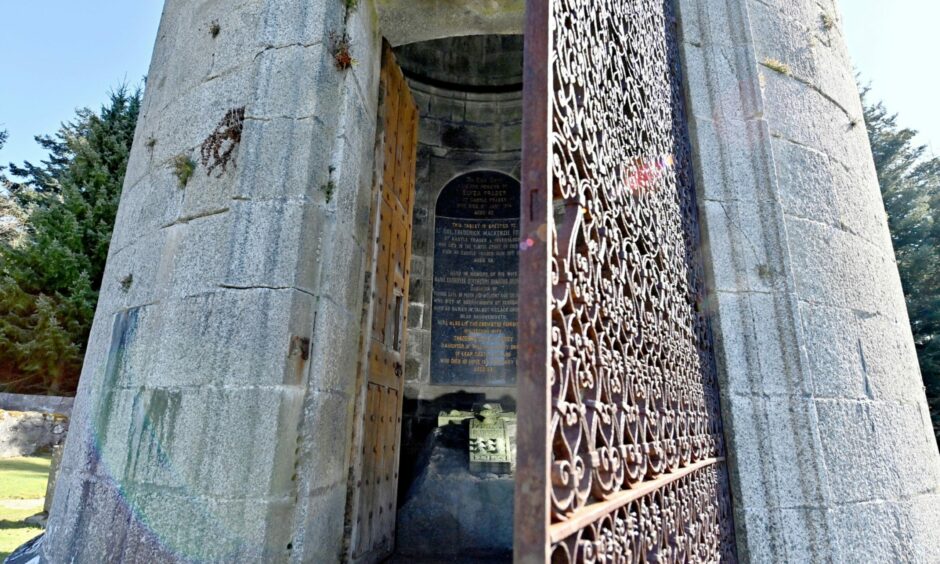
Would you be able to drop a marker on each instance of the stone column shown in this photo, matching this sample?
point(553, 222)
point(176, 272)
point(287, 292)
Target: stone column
point(222, 360)
point(832, 453)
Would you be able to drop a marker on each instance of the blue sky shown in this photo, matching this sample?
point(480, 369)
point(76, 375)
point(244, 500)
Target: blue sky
point(894, 44)
point(62, 54)
point(58, 55)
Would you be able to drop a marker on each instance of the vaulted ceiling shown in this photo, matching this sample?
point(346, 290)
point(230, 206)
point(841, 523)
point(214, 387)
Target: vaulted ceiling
point(409, 21)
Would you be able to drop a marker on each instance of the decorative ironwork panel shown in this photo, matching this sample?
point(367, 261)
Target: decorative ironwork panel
point(637, 470)
point(678, 522)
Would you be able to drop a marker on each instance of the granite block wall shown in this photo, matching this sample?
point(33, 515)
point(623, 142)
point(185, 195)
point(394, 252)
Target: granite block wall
point(832, 453)
point(212, 384)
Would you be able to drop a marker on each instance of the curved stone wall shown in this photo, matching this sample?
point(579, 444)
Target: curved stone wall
point(200, 420)
point(459, 132)
point(831, 447)
point(410, 21)
point(475, 63)
point(469, 96)
point(215, 407)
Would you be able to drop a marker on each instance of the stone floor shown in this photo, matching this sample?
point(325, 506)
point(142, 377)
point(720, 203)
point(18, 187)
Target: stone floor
point(398, 559)
point(453, 515)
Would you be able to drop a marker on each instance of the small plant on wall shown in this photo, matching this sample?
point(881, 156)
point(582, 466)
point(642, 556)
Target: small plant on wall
point(777, 66)
point(183, 169)
point(330, 187)
point(340, 49)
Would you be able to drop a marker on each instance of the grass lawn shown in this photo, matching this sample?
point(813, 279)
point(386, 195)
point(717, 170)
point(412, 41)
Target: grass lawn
point(22, 487)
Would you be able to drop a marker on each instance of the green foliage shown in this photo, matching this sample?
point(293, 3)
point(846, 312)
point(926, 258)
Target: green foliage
point(12, 214)
point(49, 281)
point(910, 184)
point(183, 169)
point(328, 190)
point(777, 66)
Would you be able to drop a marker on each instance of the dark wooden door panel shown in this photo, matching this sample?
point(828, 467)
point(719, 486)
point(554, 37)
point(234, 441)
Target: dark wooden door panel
point(373, 497)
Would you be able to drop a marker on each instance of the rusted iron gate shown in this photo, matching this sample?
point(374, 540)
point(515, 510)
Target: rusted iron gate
point(621, 455)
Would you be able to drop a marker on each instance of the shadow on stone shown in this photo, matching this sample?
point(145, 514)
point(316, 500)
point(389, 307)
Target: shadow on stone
point(449, 512)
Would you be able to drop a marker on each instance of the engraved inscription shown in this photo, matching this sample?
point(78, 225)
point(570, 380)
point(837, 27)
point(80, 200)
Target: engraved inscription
point(476, 281)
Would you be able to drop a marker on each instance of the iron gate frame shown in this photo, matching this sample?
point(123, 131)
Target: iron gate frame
point(537, 531)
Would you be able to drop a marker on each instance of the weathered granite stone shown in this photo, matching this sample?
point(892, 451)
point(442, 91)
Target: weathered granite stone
point(830, 454)
point(26, 433)
point(199, 388)
point(410, 21)
point(54, 466)
point(42, 404)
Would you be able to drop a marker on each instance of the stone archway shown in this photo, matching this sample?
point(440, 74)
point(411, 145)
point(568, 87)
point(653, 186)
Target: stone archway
point(214, 414)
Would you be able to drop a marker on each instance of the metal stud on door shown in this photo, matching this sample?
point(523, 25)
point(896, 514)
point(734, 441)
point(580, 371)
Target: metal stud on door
point(621, 452)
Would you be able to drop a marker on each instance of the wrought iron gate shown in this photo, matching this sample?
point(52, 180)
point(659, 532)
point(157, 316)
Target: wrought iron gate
point(621, 454)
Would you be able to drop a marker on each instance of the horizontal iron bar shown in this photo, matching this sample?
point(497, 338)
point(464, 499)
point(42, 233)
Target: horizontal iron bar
point(596, 511)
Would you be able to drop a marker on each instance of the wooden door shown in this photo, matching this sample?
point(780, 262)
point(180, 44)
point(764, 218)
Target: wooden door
point(621, 455)
point(373, 495)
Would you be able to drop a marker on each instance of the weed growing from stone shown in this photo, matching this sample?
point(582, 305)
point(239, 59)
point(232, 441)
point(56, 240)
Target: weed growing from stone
point(183, 169)
point(340, 49)
point(127, 282)
point(778, 66)
point(328, 190)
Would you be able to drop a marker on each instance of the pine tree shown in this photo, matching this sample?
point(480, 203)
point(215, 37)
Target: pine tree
point(910, 185)
point(12, 214)
point(49, 281)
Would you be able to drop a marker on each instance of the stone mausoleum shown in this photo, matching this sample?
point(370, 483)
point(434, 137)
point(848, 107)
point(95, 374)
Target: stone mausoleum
point(496, 280)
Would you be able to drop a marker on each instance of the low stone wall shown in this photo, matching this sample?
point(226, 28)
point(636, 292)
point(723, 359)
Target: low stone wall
point(24, 433)
point(41, 404)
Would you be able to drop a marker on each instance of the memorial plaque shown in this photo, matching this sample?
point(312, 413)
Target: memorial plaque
point(476, 281)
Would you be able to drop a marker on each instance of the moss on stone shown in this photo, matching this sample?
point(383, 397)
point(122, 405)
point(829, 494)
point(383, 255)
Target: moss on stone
point(778, 66)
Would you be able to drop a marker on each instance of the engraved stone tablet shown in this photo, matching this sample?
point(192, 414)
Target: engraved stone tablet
point(493, 441)
point(476, 281)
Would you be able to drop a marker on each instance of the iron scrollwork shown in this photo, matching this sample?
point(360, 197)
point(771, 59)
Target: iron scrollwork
point(633, 372)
